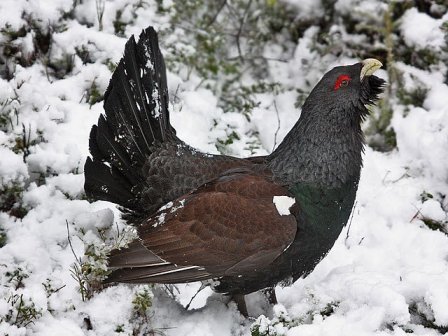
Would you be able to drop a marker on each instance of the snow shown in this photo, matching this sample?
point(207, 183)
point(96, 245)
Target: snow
point(12, 166)
point(283, 203)
point(198, 110)
point(422, 31)
point(385, 261)
point(306, 8)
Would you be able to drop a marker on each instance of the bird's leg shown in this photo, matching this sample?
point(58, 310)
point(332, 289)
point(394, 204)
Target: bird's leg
point(270, 295)
point(240, 303)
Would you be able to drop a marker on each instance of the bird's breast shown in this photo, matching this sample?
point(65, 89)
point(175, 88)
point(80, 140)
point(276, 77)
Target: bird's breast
point(323, 213)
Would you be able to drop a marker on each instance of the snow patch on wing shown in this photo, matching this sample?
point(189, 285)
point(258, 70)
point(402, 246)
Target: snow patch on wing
point(283, 204)
point(168, 208)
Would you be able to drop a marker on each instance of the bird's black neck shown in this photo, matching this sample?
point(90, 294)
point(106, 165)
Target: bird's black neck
point(318, 152)
point(320, 162)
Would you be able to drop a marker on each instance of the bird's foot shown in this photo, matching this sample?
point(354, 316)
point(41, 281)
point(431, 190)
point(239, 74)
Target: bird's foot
point(240, 304)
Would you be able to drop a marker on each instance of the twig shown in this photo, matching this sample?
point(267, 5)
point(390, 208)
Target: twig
point(213, 19)
point(100, 5)
point(58, 289)
point(70, 242)
point(416, 214)
point(191, 300)
point(278, 125)
point(199, 85)
point(384, 178)
point(350, 222)
point(175, 97)
point(238, 35)
point(169, 290)
point(258, 57)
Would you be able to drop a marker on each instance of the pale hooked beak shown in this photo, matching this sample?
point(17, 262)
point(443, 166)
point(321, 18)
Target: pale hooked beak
point(369, 66)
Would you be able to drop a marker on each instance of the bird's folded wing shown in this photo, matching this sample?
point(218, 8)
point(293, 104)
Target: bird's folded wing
point(230, 226)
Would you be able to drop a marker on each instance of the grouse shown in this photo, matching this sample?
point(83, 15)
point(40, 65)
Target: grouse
point(244, 223)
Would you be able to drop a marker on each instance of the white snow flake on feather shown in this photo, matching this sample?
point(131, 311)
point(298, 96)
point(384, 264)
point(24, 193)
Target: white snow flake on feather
point(156, 98)
point(149, 63)
point(160, 220)
point(171, 207)
point(283, 204)
point(177, 207)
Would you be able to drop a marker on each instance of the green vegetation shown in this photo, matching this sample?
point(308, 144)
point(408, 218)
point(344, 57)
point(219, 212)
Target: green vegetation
point(422, 314)
point(142, 301)
point(279, 324)
point(93, 94)
point(11, 200)
point(22, 312)
point(222, 43)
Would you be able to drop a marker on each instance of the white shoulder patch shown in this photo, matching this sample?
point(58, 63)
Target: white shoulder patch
point(283, 203)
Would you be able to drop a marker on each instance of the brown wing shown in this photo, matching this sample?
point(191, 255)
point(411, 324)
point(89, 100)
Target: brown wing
point(175, 169)
point(228, 227)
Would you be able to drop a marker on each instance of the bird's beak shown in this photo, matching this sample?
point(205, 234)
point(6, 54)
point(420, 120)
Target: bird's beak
point(369, 66)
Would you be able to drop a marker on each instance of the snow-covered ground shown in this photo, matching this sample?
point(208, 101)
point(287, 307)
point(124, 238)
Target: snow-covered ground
point(386, 275)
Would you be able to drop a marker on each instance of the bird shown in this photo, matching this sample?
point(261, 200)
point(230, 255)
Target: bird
point(239, 224)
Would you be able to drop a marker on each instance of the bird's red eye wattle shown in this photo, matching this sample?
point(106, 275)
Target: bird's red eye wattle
point(341, 81)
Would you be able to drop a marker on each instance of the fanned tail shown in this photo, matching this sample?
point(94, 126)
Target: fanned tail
point(136, 122)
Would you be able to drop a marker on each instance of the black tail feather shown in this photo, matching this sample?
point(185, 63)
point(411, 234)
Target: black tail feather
point(107, 184)
point(136, 120)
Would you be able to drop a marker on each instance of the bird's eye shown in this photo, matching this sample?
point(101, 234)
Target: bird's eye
point(341, 81)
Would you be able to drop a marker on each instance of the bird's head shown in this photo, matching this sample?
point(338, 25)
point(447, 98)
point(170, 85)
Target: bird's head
point(345, 90)
point(324, 147)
